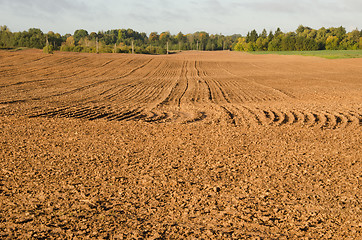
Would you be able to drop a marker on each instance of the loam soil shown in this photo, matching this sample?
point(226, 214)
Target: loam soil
point(194, 145)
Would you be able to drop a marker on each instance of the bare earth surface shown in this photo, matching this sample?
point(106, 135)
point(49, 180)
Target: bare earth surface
point(209, 145)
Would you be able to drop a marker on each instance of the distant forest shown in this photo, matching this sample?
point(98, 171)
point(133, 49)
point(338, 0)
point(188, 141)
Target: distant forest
point(130, 41)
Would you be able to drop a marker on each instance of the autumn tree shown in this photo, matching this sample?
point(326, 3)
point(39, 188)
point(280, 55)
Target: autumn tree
point(332, 43)
point(241, 45)
point(164, 37)
point(70, 41)
point(68, 45)
point(201, 38)
point(120, 40)
point(153, 37)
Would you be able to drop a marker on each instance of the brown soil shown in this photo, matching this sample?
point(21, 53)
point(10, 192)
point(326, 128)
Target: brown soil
point(191, 145)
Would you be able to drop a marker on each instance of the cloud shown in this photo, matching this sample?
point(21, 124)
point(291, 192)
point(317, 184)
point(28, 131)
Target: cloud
point(56, 10)
point(61, 15)
point(154, 15)
point(278, 6)
point(214, 16)
point(43, 6)
point(303, 7)
point(215, 7)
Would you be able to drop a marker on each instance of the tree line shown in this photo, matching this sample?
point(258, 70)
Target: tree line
point(130, 41)
point(303, 39)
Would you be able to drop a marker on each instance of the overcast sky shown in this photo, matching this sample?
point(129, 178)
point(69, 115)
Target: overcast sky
point(214, 16)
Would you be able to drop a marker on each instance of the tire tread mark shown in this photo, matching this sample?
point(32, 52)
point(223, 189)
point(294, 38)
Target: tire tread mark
point(186, 88)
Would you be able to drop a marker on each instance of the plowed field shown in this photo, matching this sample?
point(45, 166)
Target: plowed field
point(189, 145)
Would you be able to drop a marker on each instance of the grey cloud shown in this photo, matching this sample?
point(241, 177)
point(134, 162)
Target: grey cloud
point(301, 6)
point(215, 6)
point(156, 13)
point(54, 10)
point(230, 16)
point(46, 6)
point(281, 6)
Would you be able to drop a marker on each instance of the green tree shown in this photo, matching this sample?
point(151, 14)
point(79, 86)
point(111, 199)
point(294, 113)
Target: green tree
point(332, 43)
point(164, 37)
point(92, 36)
point(312, 34)
point(181, 37)
point(350, 41)
point(299, 43)
point(300, 29)
point(55, 39)
point(288, 42)
point(37, 38)
point(278, 32)
point(275, 44)
point(110, 37)
point(339, 32)
point(202, 37)
point(270, 35)
point(310, 44)
point(264, 33)
point(79, 34)
point(6, 37)
point(252, 36)
point(261, 44)
point(321, 34)
point(33, 38)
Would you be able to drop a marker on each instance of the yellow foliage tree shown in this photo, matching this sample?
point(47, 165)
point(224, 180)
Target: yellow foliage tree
point(241, 45)
point(261, 44)
point(70, 41)
point(332, 43)
point(68, 45)
point(86, 42)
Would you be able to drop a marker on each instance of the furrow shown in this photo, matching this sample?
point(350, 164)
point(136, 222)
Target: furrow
point(231, 116)
point(254, 115)
point(199, 117)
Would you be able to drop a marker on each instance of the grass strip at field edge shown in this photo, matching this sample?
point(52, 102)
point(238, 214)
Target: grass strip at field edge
point(328, 54)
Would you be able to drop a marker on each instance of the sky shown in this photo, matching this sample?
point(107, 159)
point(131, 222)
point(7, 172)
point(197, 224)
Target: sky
point(188, 16)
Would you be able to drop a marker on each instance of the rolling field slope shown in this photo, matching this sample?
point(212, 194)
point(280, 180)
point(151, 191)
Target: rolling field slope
point(241, 89)
point(189, 145)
